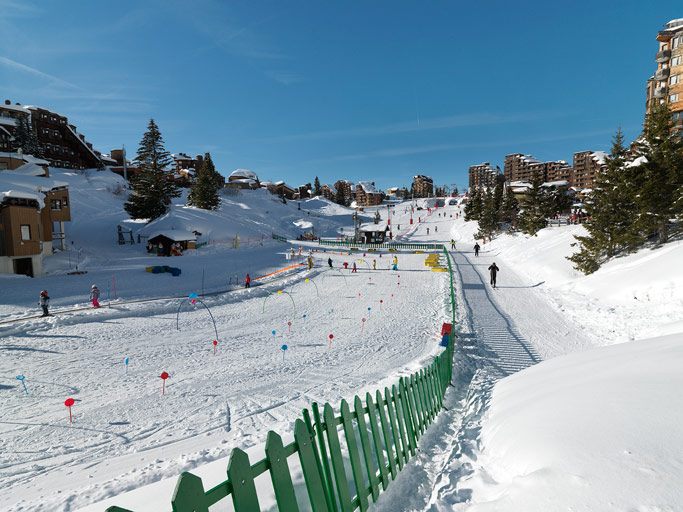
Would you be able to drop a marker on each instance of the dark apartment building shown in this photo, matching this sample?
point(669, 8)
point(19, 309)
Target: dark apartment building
point(483, 176)
point(587, 165)
point(423, 186)
point(60, 142)
point(519, 167)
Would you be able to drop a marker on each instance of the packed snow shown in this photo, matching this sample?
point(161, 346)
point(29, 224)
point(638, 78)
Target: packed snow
point(562, 397)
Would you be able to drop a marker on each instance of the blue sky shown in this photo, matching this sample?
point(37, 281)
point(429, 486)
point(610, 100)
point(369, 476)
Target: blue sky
point(358, 90)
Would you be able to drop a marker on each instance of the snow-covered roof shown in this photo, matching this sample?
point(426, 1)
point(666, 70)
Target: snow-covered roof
point(16, 108)
point(181, 156)
point(243, 173)
point(556, 183)
point(368, 187)
point(371, 226)
point(26, 158)
point(177, 235)
point(23, 186)
point(244, 180)
point(524, 184)
point(31, 169)
point(599, 156)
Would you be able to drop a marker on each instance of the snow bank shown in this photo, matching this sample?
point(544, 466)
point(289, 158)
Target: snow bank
point(594, 431)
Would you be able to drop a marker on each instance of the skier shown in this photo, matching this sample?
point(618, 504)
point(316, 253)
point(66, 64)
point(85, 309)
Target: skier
point(329, 262)
point(44, 302)
point(247, 281)
point(354, 267)
point(493, 269)
point(95, 296)
point(394, 265)
point(476, 248)
point(346, 265)
point(436, 229)
point(374, 264)
point(427, 230)
point(310, 262)
point(452, 245)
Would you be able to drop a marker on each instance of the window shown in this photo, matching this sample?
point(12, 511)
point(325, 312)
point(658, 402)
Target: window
point(55, 204)
point(676, 61)
point(25, 232)
point(673, 98)
point(65, 203)
point(674, 79)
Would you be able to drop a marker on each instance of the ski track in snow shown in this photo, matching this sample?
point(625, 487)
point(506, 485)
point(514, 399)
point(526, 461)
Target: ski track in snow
point(501, 331)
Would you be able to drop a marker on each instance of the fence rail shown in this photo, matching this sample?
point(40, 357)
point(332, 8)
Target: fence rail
point(389, 245)
point(347, 458)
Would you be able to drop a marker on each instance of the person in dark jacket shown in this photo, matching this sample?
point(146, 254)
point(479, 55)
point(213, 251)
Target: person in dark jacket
point(44, 302)
point(329, 262)
point(476, 249)
point(493, 269)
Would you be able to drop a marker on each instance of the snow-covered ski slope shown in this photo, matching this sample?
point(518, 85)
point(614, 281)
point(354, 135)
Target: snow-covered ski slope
point(529, 343)
point(125, 433)
point(594, 429)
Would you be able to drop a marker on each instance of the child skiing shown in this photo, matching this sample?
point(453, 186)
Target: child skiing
point(95, 296)
point(247, 281)
point(329, 262)
point(394, 263)
point(44, 302)
point(452, 245)
point(374, 264)
point(354, 269)
point(476, 248)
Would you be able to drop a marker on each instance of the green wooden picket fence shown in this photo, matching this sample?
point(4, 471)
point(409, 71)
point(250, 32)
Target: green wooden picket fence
point(347, 458)
point(389, 245)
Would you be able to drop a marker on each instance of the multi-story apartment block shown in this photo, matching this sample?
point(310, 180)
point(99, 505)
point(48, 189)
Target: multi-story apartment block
point(367, 194)
point(516, 167)
point(328, 192)
point(60, 141)
point(666, 85)
point(483, 176)
point(559, 170)
point(32, 214)
point(524, 168)
point(587, 165)
point(346, 189)
point(423, 186)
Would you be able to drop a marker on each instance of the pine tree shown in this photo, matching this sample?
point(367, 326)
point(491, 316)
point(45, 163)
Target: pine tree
point(612, 213)
point(208, 182)
point(339, 196)
point(488, 218)
point(153, 188)
point(534, 209)
point(661, 175)
point(509, 209)
point(26, 139)
point(317, 189)
point(474, 205)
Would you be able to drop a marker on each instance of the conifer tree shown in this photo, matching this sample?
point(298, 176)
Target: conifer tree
point(509, 209)
point(317, 189)
point(153, 188)
point(661, 174)
point(534, 209)
point(339, 196)
point(26, 139)
point(488, 218)
point(207, 184)
point(612, 213)
point(474, 205)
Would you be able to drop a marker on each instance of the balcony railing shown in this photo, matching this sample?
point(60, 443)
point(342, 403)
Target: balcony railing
point(660, 92)
point(663, 56)
point(662, 74)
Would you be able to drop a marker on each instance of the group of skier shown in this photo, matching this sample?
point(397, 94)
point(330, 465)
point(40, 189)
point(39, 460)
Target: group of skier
point(44, 300)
